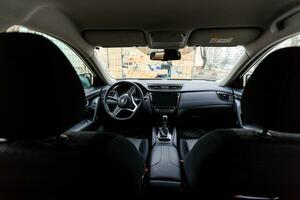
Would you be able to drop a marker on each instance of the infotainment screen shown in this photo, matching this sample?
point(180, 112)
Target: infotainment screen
point(164, 99)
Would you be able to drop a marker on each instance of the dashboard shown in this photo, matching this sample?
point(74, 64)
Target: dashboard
point(188, 103)
point(176, 97)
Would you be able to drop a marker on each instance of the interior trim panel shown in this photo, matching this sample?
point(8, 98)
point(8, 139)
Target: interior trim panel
point(201, 99)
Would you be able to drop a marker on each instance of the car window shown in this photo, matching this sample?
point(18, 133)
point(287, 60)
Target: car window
point(84, 73)
point(290, 42)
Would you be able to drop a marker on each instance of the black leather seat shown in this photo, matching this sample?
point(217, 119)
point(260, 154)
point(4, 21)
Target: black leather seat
point(41, 97)
point(188, 137)
point(186, 145)
point(261, 160)
point(142, 145)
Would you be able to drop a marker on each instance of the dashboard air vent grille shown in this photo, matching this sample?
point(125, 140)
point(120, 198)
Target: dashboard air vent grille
point(165, 87)
point(225, 96)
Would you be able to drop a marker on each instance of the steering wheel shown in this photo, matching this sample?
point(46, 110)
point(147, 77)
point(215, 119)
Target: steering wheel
point(123, 99)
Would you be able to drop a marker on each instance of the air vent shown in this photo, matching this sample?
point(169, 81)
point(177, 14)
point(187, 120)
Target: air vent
point(165, 87)
point(225, 96)
point(175, 87)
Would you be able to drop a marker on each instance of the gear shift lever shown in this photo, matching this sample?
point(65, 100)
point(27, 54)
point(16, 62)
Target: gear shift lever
point(164, 133)
point(165, 120)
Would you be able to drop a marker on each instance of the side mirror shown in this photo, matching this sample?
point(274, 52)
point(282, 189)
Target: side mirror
point(166, 55)
point(86, 80)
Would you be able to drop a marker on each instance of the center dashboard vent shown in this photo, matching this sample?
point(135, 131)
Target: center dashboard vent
point(165, 87)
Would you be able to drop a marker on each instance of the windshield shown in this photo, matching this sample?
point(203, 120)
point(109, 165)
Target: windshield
point(207, 63)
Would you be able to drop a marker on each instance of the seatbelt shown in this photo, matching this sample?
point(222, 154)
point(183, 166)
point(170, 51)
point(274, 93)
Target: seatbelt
point(238, 110)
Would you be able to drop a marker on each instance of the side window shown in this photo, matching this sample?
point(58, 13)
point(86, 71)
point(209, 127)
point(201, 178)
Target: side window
point(290, 42)
point(84, 73)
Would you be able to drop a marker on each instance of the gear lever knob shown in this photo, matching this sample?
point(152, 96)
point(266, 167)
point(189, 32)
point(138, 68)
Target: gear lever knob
point(165, 120)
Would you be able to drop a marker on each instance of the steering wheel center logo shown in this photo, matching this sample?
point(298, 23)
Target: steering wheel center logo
point(123, 100)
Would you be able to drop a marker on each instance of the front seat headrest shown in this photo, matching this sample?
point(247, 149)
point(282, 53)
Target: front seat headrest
point(41, 94)
point(271, 98)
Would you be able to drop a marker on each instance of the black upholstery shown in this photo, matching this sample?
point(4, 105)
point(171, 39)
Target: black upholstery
point(271, 98)
point(43, 97)
point(37, 79)
point(190, 132)
point(188, 137)
point(232, 162)
point(142, 145)
point(262, 161)
point(186, 145)
point(90, 165)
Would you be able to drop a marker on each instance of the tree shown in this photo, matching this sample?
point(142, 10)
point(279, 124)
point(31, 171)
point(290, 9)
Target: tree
point(203, 53)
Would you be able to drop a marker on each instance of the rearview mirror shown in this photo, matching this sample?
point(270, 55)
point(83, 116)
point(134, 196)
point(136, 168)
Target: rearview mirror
point(166, 55)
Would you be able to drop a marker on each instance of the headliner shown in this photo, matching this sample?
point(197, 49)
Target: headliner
point(68, 19)
point(156, 14)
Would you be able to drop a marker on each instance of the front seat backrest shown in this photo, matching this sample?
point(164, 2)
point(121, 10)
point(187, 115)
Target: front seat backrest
point(271, 98)
point(41, 94)
point(261, 160)
point(41, 97)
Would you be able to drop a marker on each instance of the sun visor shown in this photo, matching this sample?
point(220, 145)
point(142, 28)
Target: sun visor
point(223, 37)
point(115, 38)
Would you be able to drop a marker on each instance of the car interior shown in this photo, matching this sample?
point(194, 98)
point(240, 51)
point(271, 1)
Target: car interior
point(150, 99)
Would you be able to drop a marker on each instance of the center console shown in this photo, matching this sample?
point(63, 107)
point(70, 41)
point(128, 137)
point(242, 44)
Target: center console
point(164, 163)
point(164, 159)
